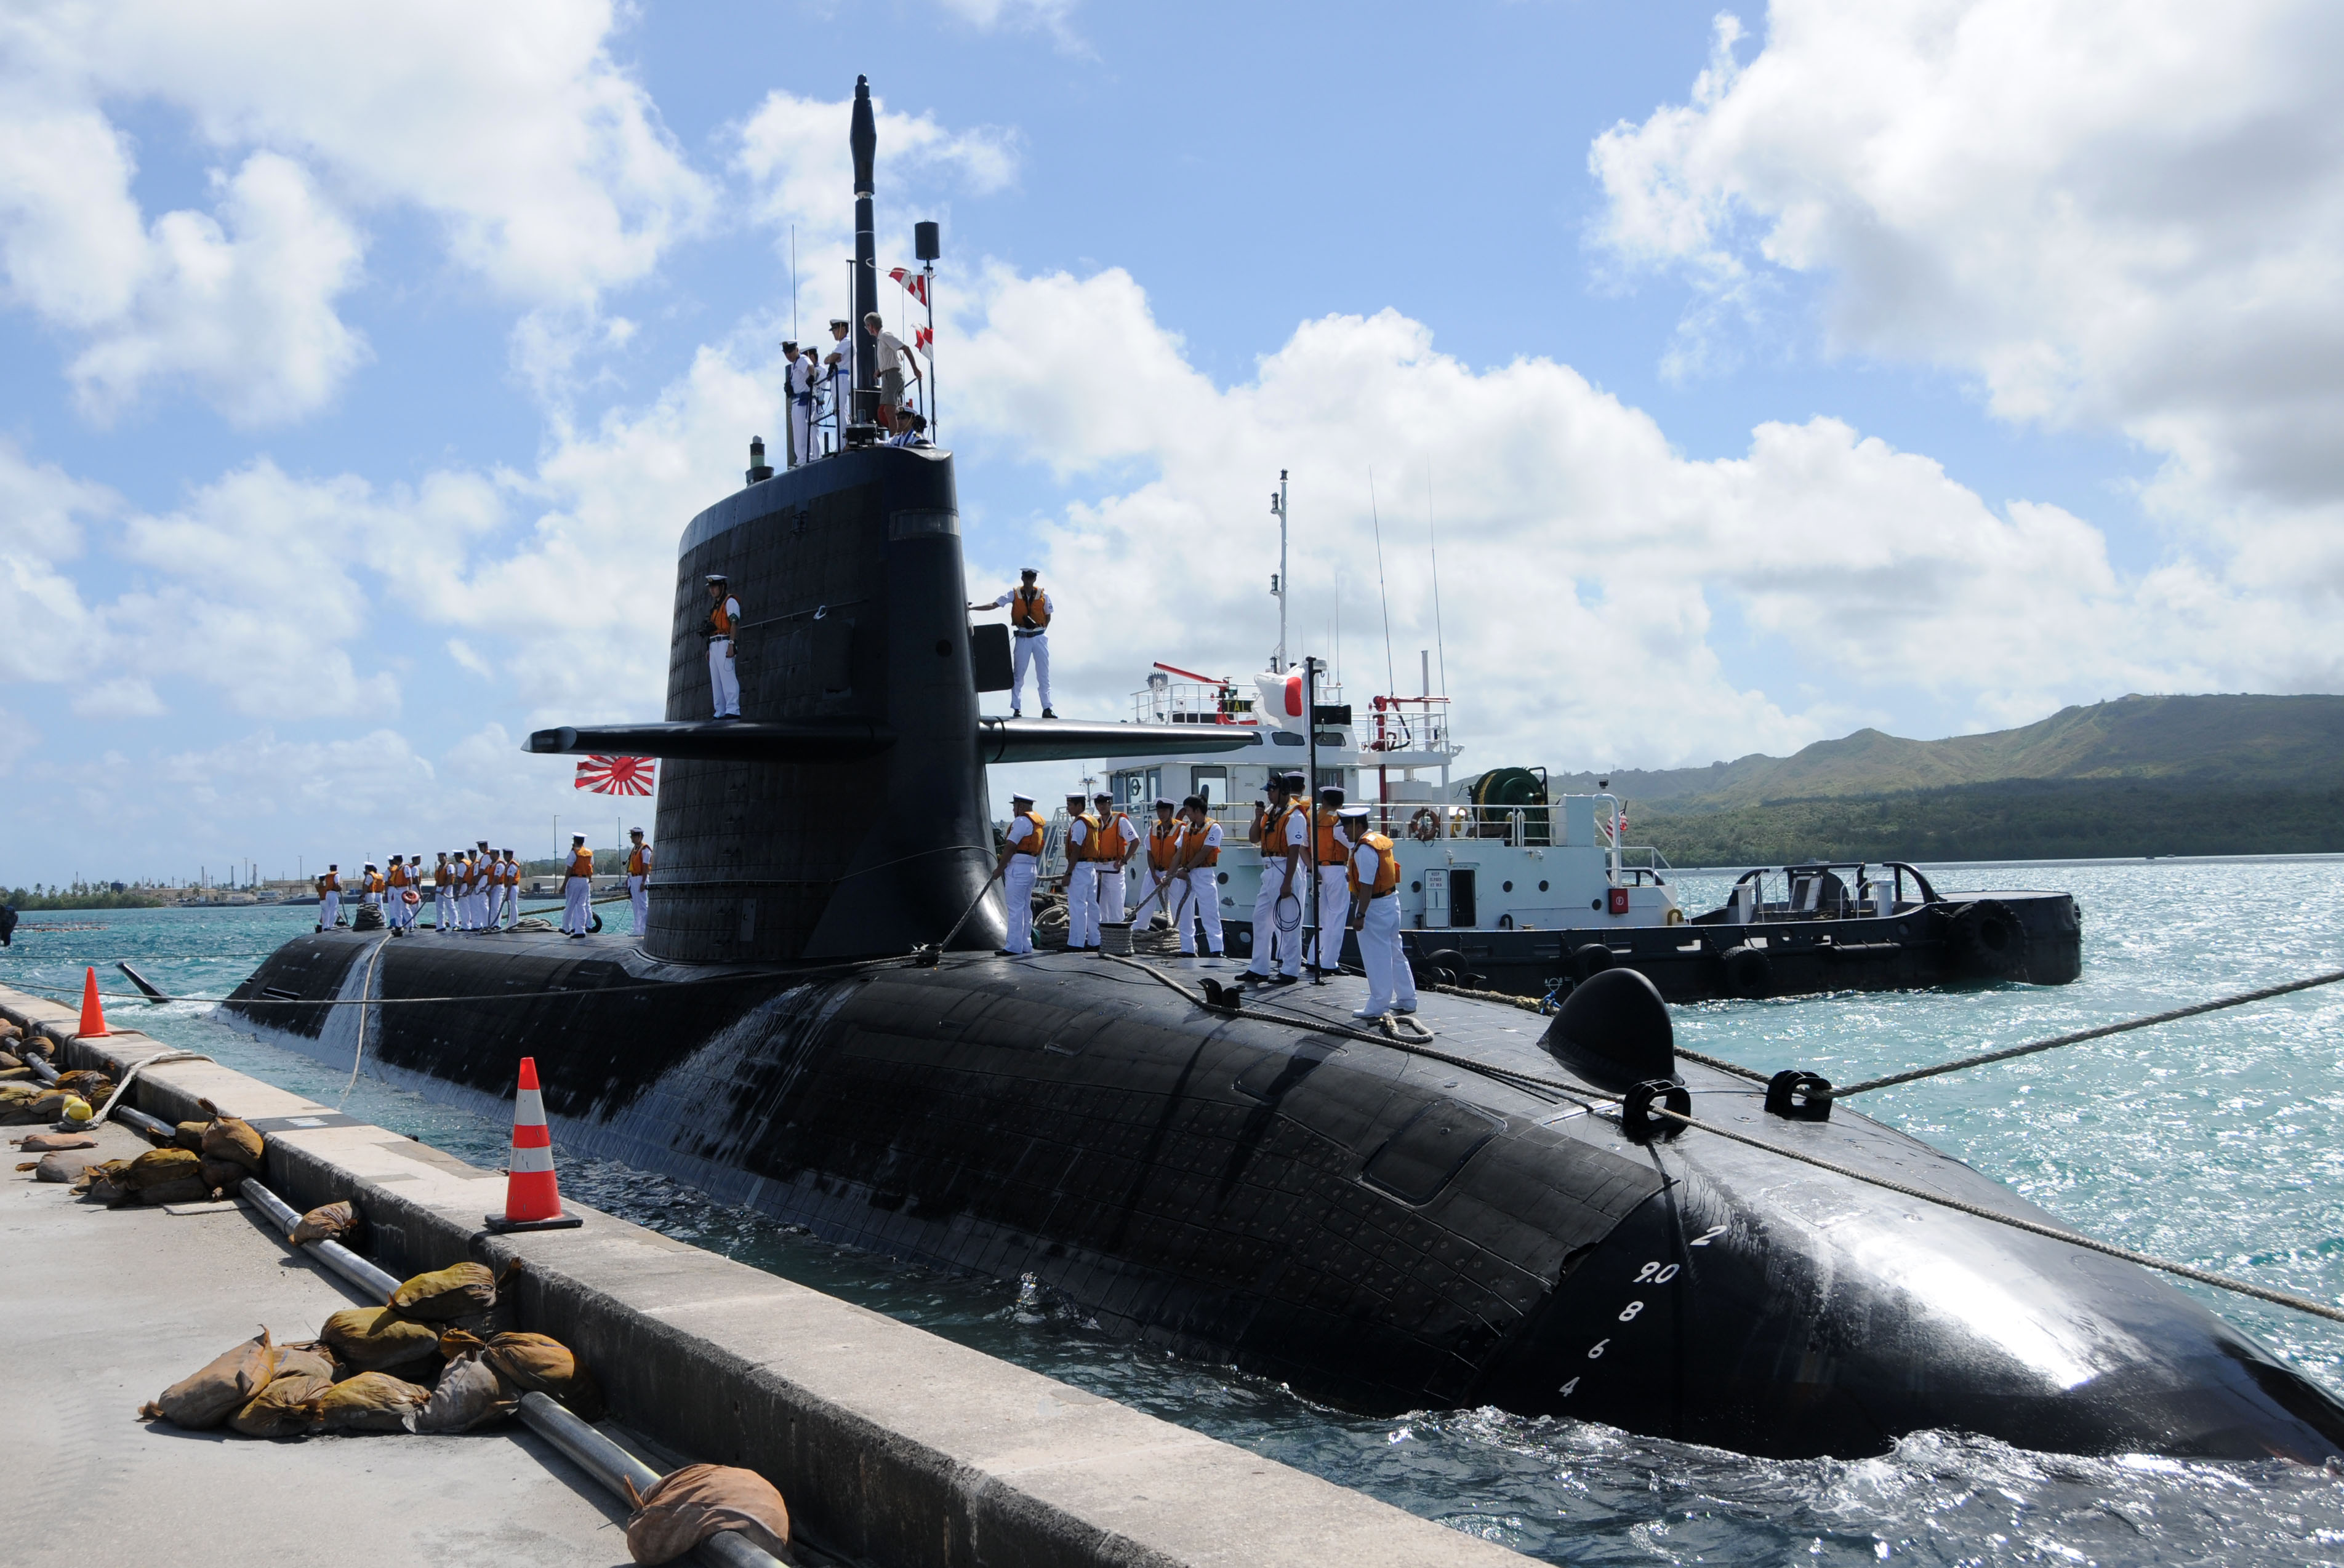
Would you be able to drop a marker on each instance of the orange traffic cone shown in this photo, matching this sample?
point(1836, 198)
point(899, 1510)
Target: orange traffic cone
point(532, 1200)
point(93, 1015)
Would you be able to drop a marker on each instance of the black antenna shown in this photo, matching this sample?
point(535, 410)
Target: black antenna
point(1391, 681)
point(1438, 642)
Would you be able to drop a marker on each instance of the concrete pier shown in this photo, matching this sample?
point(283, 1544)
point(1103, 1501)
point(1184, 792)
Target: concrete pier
point(893, 1446)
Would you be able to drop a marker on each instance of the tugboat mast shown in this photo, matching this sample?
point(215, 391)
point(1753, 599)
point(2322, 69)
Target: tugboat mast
point(1277, 585)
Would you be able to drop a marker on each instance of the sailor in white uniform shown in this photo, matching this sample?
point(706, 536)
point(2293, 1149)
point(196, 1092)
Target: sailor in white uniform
point(443, 894)
point(723, 663)
point(1375, 915)
point(1117, 840)
point(578, 888)
point(638, 881)
point(839, 375)
point(509, 868)
point(484, 897)
point(329, 897)
point(1334, 880)
point(1082, 876)
point(1284, 838)
point(797, 396)
point(1199, 862)
point(1029, 630)
point(1021, 858)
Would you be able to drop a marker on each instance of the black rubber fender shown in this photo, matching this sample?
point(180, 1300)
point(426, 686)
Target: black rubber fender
point(1749, 973)
point(1986, 940)
point(1593, 958)
point(1447, 967)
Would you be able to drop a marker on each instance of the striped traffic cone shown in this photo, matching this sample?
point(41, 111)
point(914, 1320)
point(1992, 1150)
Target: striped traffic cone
point(532, 1200)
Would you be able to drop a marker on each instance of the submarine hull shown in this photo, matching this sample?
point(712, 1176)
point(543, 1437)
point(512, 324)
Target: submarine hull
point(1379, 1230)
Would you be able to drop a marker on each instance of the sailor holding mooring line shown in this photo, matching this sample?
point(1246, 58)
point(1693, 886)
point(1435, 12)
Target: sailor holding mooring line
point(1281, 831)
point(1334, 880)
point(638, 880)
point(1081, 882)
point(1375, 915)
point(723, 666)
point(1163, 851)
point(1197, 879)
point(1029, 631)
point(578, 888)
point(1021, 858)
point(1118, 838)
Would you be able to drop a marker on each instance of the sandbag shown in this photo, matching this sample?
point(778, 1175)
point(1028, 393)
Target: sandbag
point(225, 1384)
point(685, 1507)
point(457, 1290)
point(49, 1105)
point(189, 1135)
point(9, 1059)
point(190, 1190)
point(374, 1338)
point(533, 1363)
point(65, 1165)
point(282, 1409)
point(230, 1138)
point(221, 1175)
point(469, 1395)
point(370, 1402)
point(157, 1166)
point(310, 1358)
point(88, 1082)
point(325, 1222)
point(51, 1142)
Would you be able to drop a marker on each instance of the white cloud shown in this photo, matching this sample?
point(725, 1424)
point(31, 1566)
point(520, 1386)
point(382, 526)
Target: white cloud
point(541, 162)
point(43, 621)
point(2127, 218)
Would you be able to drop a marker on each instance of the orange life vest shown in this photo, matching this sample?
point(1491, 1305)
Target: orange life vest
point(443, 875)
point(498, 873)
point(374, 882)
point(1273, 832)
point(1028, 610)
point(1330, 849)
point(330, 883)
point(1206, 854)
point(1114, 845)
point(396, 876)
point(720, 617)
point(1162, 843)
point(582, 862)
point(1387, 866)
point(1033, 832)
point(1093, 838)
point(637, 866)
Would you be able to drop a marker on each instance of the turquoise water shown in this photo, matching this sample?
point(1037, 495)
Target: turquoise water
point(2218, 1141)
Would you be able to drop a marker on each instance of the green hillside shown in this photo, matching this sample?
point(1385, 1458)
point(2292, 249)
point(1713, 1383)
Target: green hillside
point(2285, 743)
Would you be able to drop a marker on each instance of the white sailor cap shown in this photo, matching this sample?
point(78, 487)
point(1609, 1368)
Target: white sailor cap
point(638, 833)
point(1355, 813)
point(1013, 800)
point(718, 577)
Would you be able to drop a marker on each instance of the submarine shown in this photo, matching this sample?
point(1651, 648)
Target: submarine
point(1478, 1210)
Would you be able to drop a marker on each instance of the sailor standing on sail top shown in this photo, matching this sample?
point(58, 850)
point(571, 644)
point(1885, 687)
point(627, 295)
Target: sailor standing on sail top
point(723, 666)
point(1199, 862)
point(1081, 881)
point(1283, 835)
point(1117, 840)
point(329, 897)
point(577, 888)
point(638, 880)
point(797, 394)
point(840, 375)
point(1029, 627)
point(1375, 915)
point(1021, 858)
point(1334, 880)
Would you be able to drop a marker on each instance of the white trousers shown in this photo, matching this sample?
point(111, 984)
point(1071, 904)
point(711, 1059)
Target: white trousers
point(1017, 893)
point(443, 905)
point(1271, 946)
point(1110, 900)
point(329, 908)
point(639, 900)
point(802, 430)
point(724, 677)
point(1334, 912)
point(1391, 983)
point(1082, 904)
point(1024, 650)
point(506, 906)
point(1201, 907)
point(394, 908)
point(577, 895)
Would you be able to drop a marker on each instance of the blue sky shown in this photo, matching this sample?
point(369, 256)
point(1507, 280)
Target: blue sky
point(1769, 372)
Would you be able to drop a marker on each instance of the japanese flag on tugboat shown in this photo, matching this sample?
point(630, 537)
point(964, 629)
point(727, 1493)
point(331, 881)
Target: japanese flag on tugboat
point(617, 775)
point(914, 284)
point(1281, 698)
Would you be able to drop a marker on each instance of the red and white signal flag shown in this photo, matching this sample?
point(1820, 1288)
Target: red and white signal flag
point(914, 283)
point(925, 341)
point(617, 775)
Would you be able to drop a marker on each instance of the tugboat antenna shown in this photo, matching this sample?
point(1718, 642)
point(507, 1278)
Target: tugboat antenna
point(1391, 681)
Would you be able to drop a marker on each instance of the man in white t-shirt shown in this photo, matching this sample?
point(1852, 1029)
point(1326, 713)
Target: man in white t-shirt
point(892, 358)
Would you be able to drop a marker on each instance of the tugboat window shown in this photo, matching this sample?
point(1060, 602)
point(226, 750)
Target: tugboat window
point(1507, 887)
point(1416, 886)
point(1541, 887)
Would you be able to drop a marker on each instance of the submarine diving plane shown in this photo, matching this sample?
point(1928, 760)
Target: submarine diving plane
point(1382, 1223)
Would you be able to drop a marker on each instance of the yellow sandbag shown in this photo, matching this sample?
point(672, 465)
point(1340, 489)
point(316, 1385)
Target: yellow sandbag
point(310, 1358)
point(189, 1135)
point(370, 1402)
point(222, 1175)
point(88, 1083)
point(228, 1138)
point(685, 1507)
point(469, 1395)
point(188, 1190)
point(535, 1364)
point(157, 1166)
point(103, 1171)
point(374, 1338)
point(282, 1409)
point(226, 1384)
point(325, 1222)
point(51, 1142)
point(457, 1290)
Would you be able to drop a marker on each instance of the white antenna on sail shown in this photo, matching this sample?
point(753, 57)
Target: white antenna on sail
point(1391, 681)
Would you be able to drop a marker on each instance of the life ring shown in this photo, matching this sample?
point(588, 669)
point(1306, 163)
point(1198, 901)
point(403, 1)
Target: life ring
point(1425, 826)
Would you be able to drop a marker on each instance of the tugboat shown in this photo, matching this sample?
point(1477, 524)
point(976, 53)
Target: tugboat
point(1458, 1211)
point(1506, 888)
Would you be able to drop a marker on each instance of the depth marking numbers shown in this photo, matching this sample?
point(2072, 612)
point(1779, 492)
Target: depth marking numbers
point(1652, 1273)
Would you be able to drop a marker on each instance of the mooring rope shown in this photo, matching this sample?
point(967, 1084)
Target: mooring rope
point(2102, 1032)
